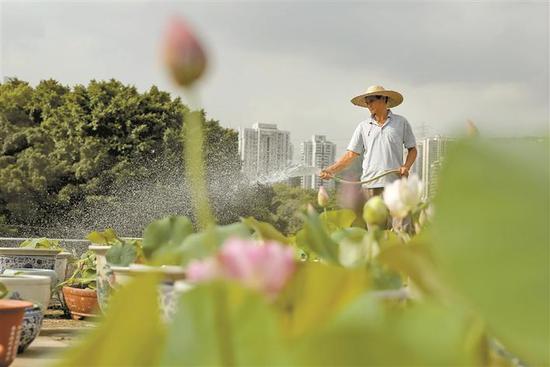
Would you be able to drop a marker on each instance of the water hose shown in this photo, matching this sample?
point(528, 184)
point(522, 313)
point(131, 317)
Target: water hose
point(385, 173)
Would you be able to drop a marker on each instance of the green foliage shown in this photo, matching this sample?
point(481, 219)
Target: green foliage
point(3, 290)
point(265, 231)
point(491, 239)
point(122, 254)
point(107, 237)
point(316, 294)
point(202, 244)
point(166, 233)
point(368, 334)
point(251, 329)
point(288, 202)
point(315, 238)
point(43, 242)
point(84, 275)
point(129, 335)
point(62, 149)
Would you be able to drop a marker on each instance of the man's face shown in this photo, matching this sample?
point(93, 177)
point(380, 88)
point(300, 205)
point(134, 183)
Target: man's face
point(376, 104)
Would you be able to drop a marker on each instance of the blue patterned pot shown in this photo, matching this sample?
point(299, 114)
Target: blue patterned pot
point(32, 322)
point(28, 258)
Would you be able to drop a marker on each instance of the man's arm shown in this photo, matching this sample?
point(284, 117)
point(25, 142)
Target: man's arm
point(341, 164)
point(411, 156)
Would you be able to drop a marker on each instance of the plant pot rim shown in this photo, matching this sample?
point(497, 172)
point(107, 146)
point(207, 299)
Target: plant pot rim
point(170, 272)
point(13, 305)
point(28, 251)
point(99, 248)
point(86, 291)
point(25, 279)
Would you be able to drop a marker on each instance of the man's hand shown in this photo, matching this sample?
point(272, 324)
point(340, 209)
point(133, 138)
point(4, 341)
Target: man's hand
point(404, 171)
point(326, 174)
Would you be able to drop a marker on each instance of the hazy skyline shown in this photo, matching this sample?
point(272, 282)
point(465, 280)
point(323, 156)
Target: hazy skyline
point(297, 64)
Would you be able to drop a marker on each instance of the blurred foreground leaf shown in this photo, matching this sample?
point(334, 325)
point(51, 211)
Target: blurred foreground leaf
point(131, 334)
point(491, 238)
point(314, 237)
point(335, 220)
point(266, 231)
point(367, 334)
point(166, 233)
point(318, 292)
point(252, 329)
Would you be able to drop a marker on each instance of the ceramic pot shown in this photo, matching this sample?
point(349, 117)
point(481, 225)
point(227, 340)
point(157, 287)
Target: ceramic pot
point(44, 272)
point(61, 265)
point(31, 258)
point(167, 291)
point(32, 288)
point(32, 322)
point(103, 271)
point(11, 318)
point(81, 302)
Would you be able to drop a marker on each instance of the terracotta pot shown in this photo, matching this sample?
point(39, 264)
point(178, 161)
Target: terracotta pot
point(11, 318)
point(81, 302)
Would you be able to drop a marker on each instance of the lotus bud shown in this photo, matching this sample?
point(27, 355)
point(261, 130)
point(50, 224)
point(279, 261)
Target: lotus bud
point(375, 212)
point(322, 197)
point(471, 129)
point(183, 53)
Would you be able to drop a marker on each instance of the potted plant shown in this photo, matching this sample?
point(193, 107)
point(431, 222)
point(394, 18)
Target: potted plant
point(110, 249)
point(79, 291)
point(38, 253)
point(11, 319)
point(62, 258)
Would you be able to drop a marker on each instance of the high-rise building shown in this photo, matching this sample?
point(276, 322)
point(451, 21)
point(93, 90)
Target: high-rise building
point(317, 152)
point(433, 154)
point(417, 166)
point(264, 149)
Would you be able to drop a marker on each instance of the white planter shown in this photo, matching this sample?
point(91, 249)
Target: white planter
point(44, 272)
point(61, 264)
point(32, 288)
point(31, 258)
point(169, 289)
point(102, 270)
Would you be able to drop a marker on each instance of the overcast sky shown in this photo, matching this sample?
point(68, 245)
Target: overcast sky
point(297, 64)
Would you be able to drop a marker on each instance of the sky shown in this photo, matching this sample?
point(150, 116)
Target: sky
point(297, 64)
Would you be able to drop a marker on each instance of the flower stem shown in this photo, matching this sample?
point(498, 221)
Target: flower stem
point(195, 175)
point(194, 163)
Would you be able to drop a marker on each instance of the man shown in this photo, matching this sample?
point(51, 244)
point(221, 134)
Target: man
point(381, 139)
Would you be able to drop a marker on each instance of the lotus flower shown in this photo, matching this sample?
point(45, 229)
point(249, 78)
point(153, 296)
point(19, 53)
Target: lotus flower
point(264, 267)
point(183, 53)
point(402, 196)
point(322, 197)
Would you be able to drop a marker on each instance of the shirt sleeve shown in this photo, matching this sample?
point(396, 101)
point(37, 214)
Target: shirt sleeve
point(356, 143)
point(409, 141)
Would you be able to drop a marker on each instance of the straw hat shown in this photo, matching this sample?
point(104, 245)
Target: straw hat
point(394, 98)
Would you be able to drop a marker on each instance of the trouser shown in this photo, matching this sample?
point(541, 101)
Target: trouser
point(378, 191)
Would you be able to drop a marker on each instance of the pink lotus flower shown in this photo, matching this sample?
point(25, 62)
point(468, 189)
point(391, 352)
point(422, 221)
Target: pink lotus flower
point(264, 267)
point(183, 53)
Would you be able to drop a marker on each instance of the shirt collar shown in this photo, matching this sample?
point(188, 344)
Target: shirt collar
point(373, 121)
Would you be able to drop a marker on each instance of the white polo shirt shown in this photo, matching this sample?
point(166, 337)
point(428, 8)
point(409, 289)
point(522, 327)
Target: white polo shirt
point(382, 147)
